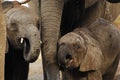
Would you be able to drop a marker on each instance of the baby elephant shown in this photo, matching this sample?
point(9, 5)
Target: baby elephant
point(90, 53)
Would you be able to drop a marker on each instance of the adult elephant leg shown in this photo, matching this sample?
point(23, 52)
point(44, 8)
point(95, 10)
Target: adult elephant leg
point(51, 12)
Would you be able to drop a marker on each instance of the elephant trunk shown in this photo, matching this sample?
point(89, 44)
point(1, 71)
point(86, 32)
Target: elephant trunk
point(31, 44)
point(51, 12)
point(64, 56)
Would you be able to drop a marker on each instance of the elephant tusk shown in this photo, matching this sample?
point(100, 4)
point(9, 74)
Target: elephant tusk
point(40, 42)
point(69, 63)
point(21, 40)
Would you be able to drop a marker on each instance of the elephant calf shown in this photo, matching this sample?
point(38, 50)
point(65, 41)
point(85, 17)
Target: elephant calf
point(23, 39)
point(90, 53)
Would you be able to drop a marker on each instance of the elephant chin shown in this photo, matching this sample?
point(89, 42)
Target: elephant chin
point(27, 52)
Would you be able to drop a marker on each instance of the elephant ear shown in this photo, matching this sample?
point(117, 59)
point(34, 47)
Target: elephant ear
point(93, 58)
point(89, 3)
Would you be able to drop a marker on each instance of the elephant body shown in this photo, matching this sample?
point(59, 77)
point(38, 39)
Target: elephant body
point(23, 38)
point(76, 14)
point(91, 52)
point(62, 16)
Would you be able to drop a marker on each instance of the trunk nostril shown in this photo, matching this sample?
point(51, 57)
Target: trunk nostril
point(62, 67)
point(68, 57)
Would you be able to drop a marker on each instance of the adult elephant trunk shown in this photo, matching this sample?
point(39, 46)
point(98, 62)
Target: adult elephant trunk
point(51, 12)
point(31, 44)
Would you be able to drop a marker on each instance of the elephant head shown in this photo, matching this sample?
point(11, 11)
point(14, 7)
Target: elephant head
point(79, 51)
point(22, 29)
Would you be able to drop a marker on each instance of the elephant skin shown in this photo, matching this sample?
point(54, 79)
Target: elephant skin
point(60, 17)
point(23, 40)
point(91, 52)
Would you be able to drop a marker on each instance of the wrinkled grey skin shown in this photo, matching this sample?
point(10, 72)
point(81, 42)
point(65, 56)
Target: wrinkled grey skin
point(23, 40)
point(60, 17)
point(90, 53)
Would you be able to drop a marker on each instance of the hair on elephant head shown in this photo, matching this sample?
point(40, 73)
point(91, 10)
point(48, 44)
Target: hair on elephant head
point(22, 29)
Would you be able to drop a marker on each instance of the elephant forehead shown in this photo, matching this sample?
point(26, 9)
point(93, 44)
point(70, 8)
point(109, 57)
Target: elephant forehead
point(71, 38)
point(26, 15)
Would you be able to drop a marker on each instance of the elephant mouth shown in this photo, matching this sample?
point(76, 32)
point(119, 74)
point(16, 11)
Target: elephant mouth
point(69, 65)
point(26, 46)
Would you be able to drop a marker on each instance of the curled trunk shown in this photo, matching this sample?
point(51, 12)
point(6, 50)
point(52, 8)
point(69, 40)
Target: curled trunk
point(31, 44)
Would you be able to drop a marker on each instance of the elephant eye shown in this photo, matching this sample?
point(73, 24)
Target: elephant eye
point(77, 46)
point(13, 27)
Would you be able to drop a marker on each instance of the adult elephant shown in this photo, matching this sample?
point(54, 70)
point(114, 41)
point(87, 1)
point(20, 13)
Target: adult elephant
point(58, 18)
point(23, 40)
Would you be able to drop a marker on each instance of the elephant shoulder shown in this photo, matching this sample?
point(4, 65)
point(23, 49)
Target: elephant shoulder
point(104, 27)
point(107, 34)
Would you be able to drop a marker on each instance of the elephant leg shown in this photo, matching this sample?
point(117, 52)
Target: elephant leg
point(15, 66)
point(71, 75)
point(95, 75)
point(66, 76)
point(8, 67)
point(113, 68)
